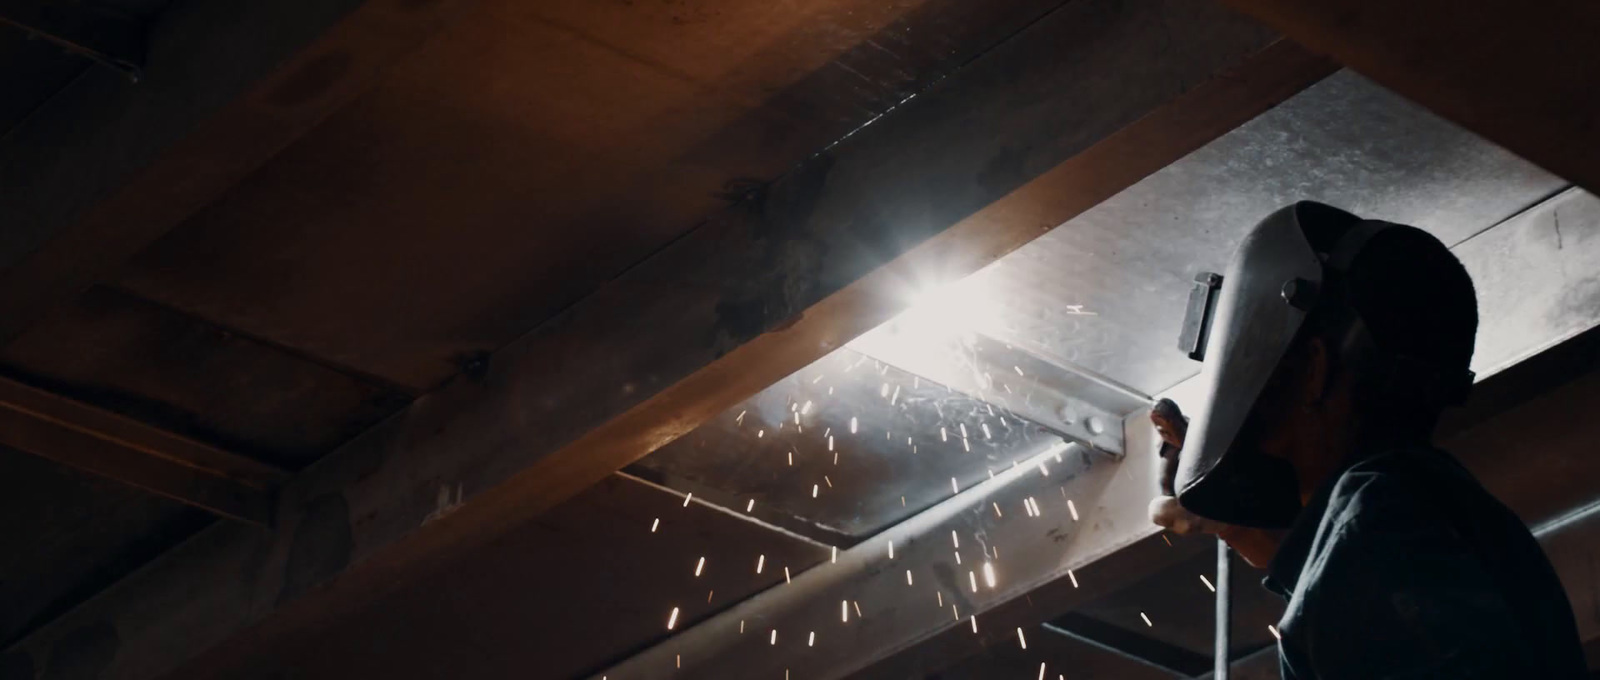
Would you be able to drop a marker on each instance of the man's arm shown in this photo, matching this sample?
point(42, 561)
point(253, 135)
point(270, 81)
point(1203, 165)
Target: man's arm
point(1392, 591)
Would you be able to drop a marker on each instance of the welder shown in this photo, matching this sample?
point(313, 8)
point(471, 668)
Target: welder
point(1328, 350)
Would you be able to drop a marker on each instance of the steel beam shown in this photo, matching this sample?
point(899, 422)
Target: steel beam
point(1522, 76)
point(744, 300)
point(1128, 645)
point(124, 450)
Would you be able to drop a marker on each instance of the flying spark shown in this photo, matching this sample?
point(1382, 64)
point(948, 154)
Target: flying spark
point(687, 498)
point(940, 593)
point(700, 566)
point(709, 593)
point(954, 539)
point(830, 443)
point(944, 435)
point(958, 558)
point(895, 396)
point(814, 490)
point(1274, 630)
point(963, 430)
point(986, 434)
point(835, 457)
point(1018, 370)
point(891, 550)
point(974, 618)
point(852, 424)
point(1207, 581)
point(741, 626)
point(997, 512)
point(974, 579)
point(811, 640)
point(655, 524)
point(740, 419)
point(797, 417)
point(806, 409)
point(750, 506)
point(835, 558)
point(672, 620)
point(884, 391)
point(816, 379)
point(828, 433)
point(1043, 470)
point(773, 639)
point(786, 575)
point(761, 561)
point(966, 446)
point(857, 605)
point(829, 481)
point(760, 433)
point(1073, 509)
point(791, 458)
point(908, 577)
point(953, 487)
point(1041, 670)
point(844, 611)
point(1146, 620)
point(988, 574)
point(955, 612)
point(1074, 578)
point(1021, 639)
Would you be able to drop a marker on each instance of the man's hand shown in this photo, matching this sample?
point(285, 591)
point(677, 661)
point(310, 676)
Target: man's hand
point(1164, 510)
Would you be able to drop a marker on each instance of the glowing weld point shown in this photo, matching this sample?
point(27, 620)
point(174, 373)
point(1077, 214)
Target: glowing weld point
point(988, 574)
point(974, 623)
point(761, 561)
point(1207, 581)
point(954, 539)
point(687, 498)
point(655, 524)
point(1021, 639)
point(852, 424)
point(1274, 630)
point(1074, 578)
point(1073, 509)
point(700, 566)
point(974, 579)
point(750, 506)
point(672, 620)
point(1146, 620)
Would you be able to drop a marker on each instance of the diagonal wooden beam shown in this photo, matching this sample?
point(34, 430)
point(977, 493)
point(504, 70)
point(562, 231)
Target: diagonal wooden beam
point(1096, 96)
point(124, 450)
point(1521, 75)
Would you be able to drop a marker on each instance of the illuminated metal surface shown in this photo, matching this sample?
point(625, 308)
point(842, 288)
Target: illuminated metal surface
point(1107, 289)
point(1033, 551)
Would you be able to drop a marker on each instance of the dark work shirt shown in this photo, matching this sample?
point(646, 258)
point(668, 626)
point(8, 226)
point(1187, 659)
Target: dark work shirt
point(1404, 567)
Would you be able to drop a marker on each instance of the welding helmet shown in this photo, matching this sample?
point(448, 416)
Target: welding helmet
point(1243, 323)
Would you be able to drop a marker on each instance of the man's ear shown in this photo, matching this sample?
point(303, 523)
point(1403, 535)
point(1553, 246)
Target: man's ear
point(1318, 371)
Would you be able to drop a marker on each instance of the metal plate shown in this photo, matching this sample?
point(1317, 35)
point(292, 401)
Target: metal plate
point(1107, 289)
point(910, 438)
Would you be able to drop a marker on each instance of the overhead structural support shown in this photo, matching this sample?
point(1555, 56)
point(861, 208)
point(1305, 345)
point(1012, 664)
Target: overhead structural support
point(1521, 75)
point(97, 31)
point(124, 450)
point(755, 293)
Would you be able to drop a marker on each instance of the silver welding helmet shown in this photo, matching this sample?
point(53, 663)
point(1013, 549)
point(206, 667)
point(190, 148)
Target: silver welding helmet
point(1240, 326)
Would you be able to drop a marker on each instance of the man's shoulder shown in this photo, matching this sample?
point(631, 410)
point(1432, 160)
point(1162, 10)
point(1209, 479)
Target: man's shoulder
point(1402, 480)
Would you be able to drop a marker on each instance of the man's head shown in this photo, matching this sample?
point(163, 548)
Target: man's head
point(1330, 332)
